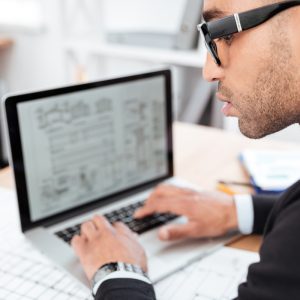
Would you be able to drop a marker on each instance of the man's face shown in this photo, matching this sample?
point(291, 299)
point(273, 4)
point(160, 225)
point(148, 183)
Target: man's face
point(259, 79)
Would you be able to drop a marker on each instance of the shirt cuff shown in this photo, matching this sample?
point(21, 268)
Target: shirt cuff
point(245, 213)
point(121, 275)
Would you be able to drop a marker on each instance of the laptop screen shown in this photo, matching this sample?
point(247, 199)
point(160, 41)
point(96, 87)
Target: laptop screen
point(81, 146)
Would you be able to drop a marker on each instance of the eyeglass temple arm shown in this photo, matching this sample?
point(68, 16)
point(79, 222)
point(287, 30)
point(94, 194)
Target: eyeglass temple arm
point(223, 27)
point(243, 21)
point(260, 15)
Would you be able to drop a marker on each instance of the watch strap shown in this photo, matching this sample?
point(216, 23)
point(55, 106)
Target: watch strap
point(109, 268)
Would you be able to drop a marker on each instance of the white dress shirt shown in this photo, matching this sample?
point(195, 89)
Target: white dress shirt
point(245, 216)
point(245, 213)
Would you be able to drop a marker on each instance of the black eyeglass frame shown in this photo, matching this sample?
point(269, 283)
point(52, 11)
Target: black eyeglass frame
point(237, 23)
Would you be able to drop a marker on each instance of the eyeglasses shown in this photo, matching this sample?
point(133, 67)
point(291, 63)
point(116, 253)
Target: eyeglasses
point(237, 23)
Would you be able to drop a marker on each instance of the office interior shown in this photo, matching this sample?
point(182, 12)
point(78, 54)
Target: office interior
point(59, 42)
point(46, 44)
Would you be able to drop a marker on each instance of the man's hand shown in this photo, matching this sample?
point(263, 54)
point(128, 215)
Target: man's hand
point(209, 214)
point(100, 243)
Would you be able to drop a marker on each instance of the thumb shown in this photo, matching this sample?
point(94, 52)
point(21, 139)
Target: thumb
point(174, 232)
point(78, 244)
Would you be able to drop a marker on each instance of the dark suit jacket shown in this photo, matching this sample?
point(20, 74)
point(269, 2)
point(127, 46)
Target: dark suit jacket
point(275, 277)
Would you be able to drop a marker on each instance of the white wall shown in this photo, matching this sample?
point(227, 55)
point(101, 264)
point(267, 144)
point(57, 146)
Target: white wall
point(36, 59)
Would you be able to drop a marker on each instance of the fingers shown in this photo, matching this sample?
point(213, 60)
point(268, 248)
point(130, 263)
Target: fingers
point(165, 198)
point(175, 204)
point(78, 244)
point(102, 224)
point(175, 232)
point(159, 205)
point(122, 228)
point(89, 230)
point(93, 229)
point(144, 211)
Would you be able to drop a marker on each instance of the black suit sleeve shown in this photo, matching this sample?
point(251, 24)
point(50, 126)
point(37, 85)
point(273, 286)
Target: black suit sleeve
point(125, 289)
point(277, 276)
point(262, 205)
point(131, 289)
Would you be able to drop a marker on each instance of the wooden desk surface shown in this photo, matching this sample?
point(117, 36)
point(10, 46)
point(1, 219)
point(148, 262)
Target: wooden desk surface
point(203, 156)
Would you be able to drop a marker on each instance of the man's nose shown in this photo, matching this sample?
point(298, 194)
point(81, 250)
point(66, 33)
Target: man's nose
point(211, 71)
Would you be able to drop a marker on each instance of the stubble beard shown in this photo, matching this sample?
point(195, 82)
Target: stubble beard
point(273, 105)
point(274, 101)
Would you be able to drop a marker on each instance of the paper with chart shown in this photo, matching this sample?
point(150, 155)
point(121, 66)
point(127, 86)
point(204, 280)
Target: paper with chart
point(272, 170)
point(81, 146)
point(26, 274)
point(215, 277)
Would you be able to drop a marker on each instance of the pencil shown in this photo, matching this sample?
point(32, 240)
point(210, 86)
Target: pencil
point(246, 184)
point(225, 189)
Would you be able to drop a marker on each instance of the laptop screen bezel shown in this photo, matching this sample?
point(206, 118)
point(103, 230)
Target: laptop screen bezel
point(16, 152)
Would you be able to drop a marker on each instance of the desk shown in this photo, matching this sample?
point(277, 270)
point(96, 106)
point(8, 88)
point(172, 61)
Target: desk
point(204, 155)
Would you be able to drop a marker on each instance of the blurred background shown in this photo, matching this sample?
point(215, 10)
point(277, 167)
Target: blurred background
point(49, 43)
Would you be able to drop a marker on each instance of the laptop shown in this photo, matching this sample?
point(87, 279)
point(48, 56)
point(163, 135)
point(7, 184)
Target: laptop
point(96, 148)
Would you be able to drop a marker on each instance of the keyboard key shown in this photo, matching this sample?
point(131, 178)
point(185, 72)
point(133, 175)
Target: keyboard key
point(124, 215)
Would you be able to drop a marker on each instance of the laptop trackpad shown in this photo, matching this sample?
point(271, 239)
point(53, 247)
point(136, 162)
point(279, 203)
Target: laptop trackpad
point(166, 257)
point(153, 245)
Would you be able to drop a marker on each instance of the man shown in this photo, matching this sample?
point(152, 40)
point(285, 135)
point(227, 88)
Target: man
point(256, 65)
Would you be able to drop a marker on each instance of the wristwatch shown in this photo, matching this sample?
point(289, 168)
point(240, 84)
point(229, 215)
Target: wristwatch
point(113, 267)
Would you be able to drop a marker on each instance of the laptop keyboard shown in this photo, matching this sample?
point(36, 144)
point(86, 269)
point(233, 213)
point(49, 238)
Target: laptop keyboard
point(124, 215)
